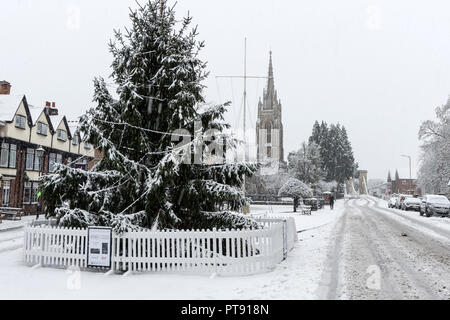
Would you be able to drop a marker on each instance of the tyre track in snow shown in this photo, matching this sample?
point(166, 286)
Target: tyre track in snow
point(357, 252)
point(364, 251)
point(329, 283)
point(432, 227)
point(396, 265)
point(424, 259)
point(411, 268)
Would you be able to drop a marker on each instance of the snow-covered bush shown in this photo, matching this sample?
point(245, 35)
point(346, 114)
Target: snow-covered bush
point(296, 190)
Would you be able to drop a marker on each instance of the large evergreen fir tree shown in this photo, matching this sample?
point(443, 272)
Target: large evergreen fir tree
point(338, 162)
point(140, 181)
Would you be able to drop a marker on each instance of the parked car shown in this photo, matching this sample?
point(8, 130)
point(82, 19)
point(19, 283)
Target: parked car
point(411, 204)
point(434, 204)
point(400, 199)
point(392, 201)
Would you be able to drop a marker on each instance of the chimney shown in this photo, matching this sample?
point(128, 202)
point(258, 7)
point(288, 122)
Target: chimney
point(50, 108)
point(5, 87)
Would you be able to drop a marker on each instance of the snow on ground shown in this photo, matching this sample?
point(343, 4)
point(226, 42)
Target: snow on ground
point(437, 227)
point(11, 224)
point(317, 219)
point(296, 278)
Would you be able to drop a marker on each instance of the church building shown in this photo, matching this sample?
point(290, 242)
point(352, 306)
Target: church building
point(269, 125)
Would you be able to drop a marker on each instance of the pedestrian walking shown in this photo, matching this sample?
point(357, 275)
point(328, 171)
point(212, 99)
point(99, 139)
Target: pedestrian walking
point(332, 202)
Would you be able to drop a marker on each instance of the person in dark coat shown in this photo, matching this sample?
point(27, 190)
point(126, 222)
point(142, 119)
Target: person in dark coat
point(332, 202)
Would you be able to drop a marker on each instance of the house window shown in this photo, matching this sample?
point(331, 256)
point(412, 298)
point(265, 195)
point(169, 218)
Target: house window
point(81, 163)
point(30, 191)
point(75, 140)
point(404, 182)
point(12, 155)
point(51, 162)
point(87, 146)
point(42, 128)
point(37, 162)
point(34, 192)
point(30, 159)
point(62, 135)
point(8, 155)
point(59, 158)
point(5, 155)
point(269, 152)
point(27, 192)
point(6, 193)
point(20, 121)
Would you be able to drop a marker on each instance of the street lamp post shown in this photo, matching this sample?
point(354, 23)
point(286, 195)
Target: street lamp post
point(410, 178)
point(40, 153)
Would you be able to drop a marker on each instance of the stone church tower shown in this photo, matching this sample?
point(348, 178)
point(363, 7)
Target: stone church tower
point(269, 125)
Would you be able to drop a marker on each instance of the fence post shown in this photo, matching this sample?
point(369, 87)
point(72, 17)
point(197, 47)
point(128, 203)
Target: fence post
point(41, 256)
point(285, 242)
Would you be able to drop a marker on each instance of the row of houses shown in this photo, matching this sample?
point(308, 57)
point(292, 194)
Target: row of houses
point(32, 140)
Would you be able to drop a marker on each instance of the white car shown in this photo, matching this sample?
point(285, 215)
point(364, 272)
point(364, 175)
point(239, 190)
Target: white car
point(411, 204)
point(392, 201)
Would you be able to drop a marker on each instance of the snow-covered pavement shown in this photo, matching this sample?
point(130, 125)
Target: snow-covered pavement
point(361, 250)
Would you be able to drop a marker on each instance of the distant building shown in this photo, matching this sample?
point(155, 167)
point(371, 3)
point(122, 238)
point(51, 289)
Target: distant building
point(269, 125)
point(23, 131)
point(402, 186)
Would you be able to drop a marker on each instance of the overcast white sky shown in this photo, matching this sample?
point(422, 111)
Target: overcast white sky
point(378, 67)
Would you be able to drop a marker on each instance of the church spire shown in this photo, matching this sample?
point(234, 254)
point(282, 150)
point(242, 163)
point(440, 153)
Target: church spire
point(270, 80)
point(270, 94)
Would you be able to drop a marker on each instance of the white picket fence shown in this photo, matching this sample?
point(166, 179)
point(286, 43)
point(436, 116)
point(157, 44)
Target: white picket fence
point(228, 252)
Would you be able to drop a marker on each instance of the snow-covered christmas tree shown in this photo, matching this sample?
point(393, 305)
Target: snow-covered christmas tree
point(140, 182)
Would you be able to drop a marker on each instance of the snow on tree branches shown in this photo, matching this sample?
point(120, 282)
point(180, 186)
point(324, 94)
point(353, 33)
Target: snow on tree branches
point(145, 179)
point(434, 171)
point(296, 190)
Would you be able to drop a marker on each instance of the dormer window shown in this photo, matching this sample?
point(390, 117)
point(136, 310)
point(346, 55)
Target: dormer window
point(42, 128)
point(20, 121)
point(62, 135)
point(75, 140)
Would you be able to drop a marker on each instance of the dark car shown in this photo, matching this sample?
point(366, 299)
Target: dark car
point(313, 202)
point(434, 205)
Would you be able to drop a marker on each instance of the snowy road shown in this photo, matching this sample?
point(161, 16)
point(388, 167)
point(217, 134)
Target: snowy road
point(380, 253)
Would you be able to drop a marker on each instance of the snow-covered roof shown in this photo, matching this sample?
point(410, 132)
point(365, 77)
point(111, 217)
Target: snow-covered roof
point(9, 105)
point(35, 113)
point(56, 120)
point(403, 173)
point(74, 128)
